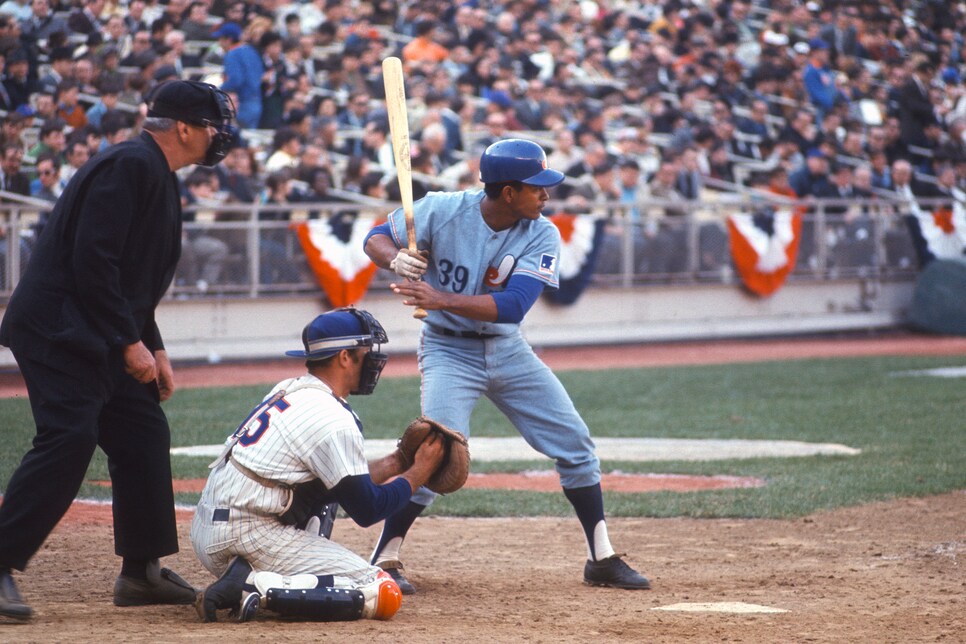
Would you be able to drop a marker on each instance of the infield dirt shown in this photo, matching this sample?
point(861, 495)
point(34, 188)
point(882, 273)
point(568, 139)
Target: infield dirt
point(885, 572)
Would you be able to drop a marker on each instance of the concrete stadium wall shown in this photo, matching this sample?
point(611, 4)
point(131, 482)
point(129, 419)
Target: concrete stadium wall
point(240, 329)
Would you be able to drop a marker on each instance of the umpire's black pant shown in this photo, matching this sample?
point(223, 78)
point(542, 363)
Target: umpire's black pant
point(75, 411)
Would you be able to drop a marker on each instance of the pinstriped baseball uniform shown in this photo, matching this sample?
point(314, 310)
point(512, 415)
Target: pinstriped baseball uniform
point(305, 434)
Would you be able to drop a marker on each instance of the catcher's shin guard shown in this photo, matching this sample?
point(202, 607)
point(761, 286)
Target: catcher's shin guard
point(379, 599)
point(323, 604)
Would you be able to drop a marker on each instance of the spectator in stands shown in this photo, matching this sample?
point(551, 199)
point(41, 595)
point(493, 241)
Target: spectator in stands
point(77, 154)
point(531, 109)
point(194, 23)
point(842, 35)
point(278, 80)
point(801, 129)
point(916, 110)
point(178, 57)
point(838, 188)
point(140, 46)
point(632, 190)
point(756, 123)
point(16, 81)
point(243, 68)
point(44, 107)
point(11, 129)
point(115, 128)
point(203, 253)
point(51, 140)
point(424, 48)
point(689, 181)
point(276, 264)
point(238, 175)
point(110, 93)
point(666, 246)
point(41, 25)
point(83, 75)
point(19, 10)
point(47, 184)
point(354, 116)
point(115, 34)
point(432, 141)
point(812, 178)
point(69, 109)
point(286, 147)
point(61, 68)
point(87, 19)
point(12, 177)
point(12, 180)
point(777, 182)
point(565, 152)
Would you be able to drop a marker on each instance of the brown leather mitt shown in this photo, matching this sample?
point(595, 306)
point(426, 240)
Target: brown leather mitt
point(455, 466)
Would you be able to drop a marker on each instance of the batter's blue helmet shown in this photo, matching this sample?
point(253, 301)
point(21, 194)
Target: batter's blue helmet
point(517, 160)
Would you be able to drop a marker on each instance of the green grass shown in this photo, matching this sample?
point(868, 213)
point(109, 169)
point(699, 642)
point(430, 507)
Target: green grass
point(910, 430)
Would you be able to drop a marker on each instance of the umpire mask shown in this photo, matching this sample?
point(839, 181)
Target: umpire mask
point(200, 104)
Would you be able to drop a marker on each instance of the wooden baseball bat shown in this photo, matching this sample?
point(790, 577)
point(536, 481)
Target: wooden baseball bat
point(392, 76)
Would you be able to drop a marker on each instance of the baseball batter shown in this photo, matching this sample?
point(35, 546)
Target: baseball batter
point(260, 514)
point(484, 258)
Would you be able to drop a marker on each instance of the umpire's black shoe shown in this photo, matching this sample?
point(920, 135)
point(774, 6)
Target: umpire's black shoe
point(11, 603)
point(613, 572)
point(162, 586)
point(225, 592)
point(395, 570)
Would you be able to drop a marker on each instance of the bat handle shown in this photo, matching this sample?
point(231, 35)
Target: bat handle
point(419, 313)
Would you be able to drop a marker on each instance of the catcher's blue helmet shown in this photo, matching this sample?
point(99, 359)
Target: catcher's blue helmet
point(517, 160)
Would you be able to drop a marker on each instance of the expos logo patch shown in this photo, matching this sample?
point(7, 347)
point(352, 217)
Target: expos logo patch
point(496, 276)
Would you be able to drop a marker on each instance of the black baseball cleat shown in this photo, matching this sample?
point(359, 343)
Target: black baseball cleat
point(395, 570)
point(162, 586)
point(225, 592)
point(12, 604)
point(614, 573)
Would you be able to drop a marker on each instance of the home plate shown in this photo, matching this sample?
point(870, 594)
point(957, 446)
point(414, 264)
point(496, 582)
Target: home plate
point(720, 607)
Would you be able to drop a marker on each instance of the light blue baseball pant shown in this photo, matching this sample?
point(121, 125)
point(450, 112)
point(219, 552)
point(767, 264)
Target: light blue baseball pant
point(457, 371)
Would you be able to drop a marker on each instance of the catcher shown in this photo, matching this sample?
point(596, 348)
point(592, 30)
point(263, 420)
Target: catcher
point(265, 515)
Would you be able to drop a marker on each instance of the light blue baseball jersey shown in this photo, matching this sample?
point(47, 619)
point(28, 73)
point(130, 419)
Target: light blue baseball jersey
point(467, 257)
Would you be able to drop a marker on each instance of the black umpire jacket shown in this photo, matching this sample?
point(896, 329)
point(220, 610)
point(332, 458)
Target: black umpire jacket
point(104, 260)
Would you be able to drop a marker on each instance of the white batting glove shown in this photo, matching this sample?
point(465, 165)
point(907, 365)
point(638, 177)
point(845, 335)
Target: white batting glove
point(409, 264)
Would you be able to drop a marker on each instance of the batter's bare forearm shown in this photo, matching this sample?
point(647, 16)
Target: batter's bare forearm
point(381, 250)
point(474, 307)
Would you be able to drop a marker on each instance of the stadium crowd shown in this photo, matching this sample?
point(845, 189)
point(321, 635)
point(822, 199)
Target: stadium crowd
point(816, 99)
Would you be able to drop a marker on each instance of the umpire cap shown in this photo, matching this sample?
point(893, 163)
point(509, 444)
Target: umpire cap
point(517, 160)
point(331, 332)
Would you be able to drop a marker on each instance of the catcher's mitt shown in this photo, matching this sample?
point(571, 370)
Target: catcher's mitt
point(455, 466)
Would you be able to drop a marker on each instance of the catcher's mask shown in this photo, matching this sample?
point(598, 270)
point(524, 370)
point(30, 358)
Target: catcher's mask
point(346, 328)
point(200, 104)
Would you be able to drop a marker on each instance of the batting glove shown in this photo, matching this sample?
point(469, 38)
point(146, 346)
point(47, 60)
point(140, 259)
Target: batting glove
point(409, 264)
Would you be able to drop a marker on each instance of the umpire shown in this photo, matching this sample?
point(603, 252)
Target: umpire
point(81, 326)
